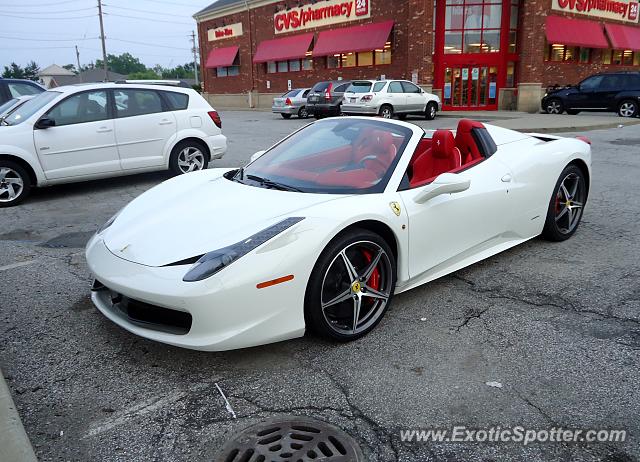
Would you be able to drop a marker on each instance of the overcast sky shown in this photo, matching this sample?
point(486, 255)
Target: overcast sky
point(47, 32)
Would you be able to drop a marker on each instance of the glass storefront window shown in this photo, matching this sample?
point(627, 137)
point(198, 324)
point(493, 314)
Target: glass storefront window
point(283, 66)
point(585, 55)
point(452, 42)
point(333, 62)
point(616, 57)
point(492, 17)
point(222, 72)
point(453, 19)
point(627, 57)
point(349, 60)
point(233, 71)
point(271, 67)
point(491, 41)
point(472, 42)
point(294, 65)
point(636, 58)
point(383, 57)
point(307, 64)
point(473, 26)
point(365, 58)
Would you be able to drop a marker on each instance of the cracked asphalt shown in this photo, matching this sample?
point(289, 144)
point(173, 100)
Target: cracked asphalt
point(557, 324)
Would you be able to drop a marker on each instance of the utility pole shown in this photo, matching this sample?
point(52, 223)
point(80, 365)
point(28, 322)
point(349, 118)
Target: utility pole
point(78, 59)
point(104, 47)
point(195, 58)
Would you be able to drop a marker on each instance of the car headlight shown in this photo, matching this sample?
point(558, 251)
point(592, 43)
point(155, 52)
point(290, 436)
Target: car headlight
point(108, 223)
point(213, 262)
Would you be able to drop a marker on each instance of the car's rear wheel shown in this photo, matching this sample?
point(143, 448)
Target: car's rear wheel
point(188, 156)
point(351, 286)
point(628, 108)
point(386, 111)
point(286, 116)
point(303, 113)
point(554, 106)
point(432, 110)
point(566, 206)
point(15, 184)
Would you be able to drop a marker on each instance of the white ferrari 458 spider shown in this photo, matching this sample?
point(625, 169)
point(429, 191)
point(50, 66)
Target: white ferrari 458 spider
point(321, 230)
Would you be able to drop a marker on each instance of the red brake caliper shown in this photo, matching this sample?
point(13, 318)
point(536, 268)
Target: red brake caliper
point(374, 281)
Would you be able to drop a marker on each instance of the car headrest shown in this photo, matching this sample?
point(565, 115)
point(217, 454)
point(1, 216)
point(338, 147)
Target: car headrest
point(466, 125)
point(443, 144)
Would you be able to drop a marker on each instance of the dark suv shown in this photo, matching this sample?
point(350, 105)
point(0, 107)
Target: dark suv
point(14, 88)
point(612, 92)
point(325, 98)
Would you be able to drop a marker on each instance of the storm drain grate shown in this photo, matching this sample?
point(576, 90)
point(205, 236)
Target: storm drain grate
point(294, 439)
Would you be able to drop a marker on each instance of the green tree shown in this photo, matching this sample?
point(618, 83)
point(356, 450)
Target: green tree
point(70, 67)
point(31, 71)
point(144, 75)
point(123, 64)
point(179, 72)
point(13, 71)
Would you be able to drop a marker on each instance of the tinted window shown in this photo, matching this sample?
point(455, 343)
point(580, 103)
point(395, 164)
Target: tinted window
point(592, 83)
point(131, 103)
point(341, 88)
point(306, 93)
point(23, 89)
point(81, 108)
point(612, 83)
point(31, 107)
point(320, 87)
point(395, 87)
point(410, 88)
point(632, 82)
point(378, 86)
point(291, 94)
point(360, 87)
point(177, 101)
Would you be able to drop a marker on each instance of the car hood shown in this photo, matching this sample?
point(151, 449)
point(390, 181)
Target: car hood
point(197, 213)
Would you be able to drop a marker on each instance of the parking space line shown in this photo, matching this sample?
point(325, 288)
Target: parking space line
point(18, 265)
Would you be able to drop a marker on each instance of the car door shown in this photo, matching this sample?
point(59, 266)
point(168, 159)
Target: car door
point(584, 96)
point(82, 142)
point(605, 94)
point(397, 96)
point(416, 101)
point(450, 228)
point(143, 127)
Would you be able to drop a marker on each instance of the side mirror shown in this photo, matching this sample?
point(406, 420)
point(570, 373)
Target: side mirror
point(447, 183)
point(45, 122)
point(256, 156)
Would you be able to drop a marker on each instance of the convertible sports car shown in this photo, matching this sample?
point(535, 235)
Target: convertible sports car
point(321, 230)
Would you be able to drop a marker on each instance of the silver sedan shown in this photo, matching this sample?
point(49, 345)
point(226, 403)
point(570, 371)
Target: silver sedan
point(293, 102)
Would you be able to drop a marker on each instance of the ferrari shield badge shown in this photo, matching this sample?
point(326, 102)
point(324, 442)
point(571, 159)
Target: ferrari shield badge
point(395, 206)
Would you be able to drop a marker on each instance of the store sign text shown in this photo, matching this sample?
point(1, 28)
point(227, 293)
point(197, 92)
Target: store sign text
point(623, 10)
point(219, 33)
point(321, 14)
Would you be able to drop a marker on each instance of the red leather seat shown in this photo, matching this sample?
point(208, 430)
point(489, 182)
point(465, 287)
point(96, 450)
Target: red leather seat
point(466, 142)
point(443, 157)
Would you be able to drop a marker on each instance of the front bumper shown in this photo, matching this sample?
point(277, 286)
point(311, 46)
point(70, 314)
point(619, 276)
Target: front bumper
point(223, 312)
point(291, 110)
point(359, 109)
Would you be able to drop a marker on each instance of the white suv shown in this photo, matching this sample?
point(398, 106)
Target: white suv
point(388, 97)
point(83, 132)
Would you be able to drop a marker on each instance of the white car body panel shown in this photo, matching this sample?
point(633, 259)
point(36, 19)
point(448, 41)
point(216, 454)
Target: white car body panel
point(402, 103)
point(504, 205)
point(112, 147)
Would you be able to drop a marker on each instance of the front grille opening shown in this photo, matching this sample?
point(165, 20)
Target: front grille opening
point(153, 317)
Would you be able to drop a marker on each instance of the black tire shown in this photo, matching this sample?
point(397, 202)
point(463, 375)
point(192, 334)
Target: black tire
point(561, 222)
point(386, 111)
point(302, 113)
point(317, 116)
point(286, 116)
point(402, 116)
point(572, 112)
point(355, 243)
point(554, 106)
point(628, 108)
point(175, 162)
point(431, 111)
point(14, 181)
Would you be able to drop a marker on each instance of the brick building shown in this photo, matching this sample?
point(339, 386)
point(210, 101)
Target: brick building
point(476, 54)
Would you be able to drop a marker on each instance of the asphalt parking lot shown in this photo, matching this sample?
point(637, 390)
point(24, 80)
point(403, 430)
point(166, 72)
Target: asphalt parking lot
point(557, 325)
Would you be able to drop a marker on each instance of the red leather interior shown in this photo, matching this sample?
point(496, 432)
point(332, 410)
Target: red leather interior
point(442, 157)
point(465, 141)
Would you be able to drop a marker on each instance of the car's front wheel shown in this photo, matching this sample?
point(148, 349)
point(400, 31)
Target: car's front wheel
point(628, 108)
point(554, 106)
point(432, 110)
point(566, 206)
point(351, 286)
point(188, 156)
point(15, 184)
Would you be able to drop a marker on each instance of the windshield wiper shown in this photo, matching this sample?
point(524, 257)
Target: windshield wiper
point(273, 184)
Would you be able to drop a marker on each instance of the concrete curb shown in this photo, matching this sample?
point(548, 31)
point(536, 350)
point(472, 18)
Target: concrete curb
point(14, 442)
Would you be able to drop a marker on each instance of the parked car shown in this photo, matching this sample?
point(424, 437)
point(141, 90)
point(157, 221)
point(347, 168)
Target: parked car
point(11, 105)
point(387, 98)
point(82, 132)
point(14, 88)
point(610, 92)
point(291, 103)
point(325, 98)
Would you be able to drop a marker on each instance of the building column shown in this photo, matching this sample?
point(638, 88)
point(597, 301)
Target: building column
point(531, 38)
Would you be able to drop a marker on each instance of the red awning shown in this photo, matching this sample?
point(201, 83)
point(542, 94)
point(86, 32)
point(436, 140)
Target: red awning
point(283, 49)
point(575, 32)
point(352, 39)
point(221, 57)
point(623, 37)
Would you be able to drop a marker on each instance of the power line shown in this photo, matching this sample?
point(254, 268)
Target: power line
point(144, 11)
point(176, 3)
point(34, 5)
point(147, 19)
point(155, 45)
point(50, 12)
point(47, 19)
point(46, 40)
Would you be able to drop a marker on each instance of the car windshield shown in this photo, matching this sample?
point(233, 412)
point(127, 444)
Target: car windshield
point(359, 87)
point(31, 107)
point(321, 86)
point(338, 156)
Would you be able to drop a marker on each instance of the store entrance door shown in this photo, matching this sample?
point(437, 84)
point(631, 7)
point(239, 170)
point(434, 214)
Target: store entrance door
point(471, 88)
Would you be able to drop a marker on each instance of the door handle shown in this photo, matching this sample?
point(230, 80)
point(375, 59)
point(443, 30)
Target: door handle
point(507, 178)
point(165, 122)
point(104, 130)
